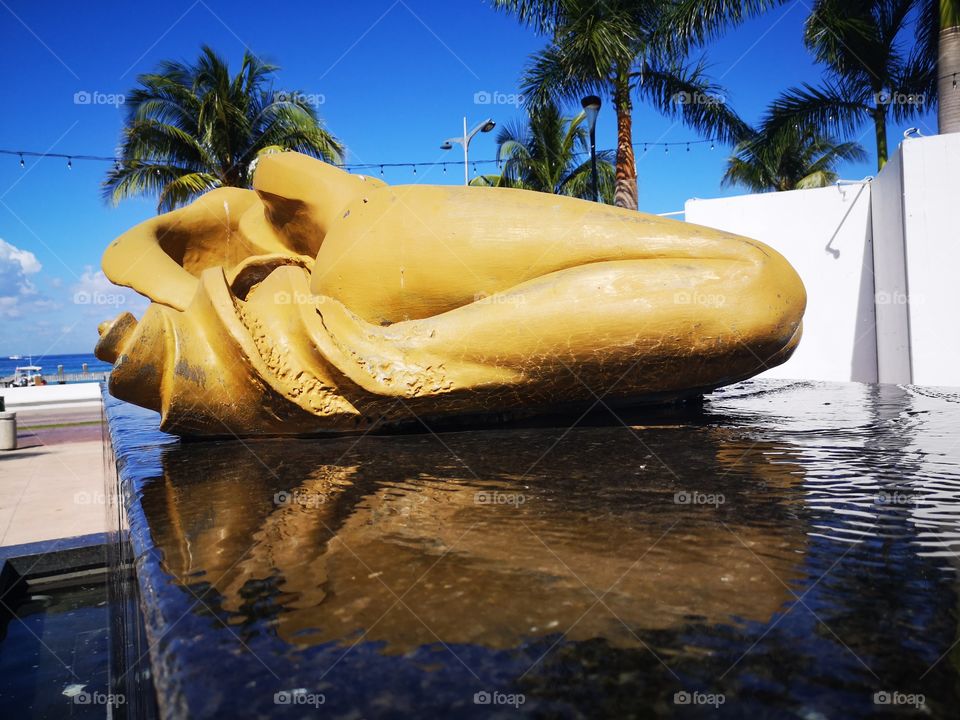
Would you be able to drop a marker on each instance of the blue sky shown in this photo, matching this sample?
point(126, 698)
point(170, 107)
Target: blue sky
point(395, 78)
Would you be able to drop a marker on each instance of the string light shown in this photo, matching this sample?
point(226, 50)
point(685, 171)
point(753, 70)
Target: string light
point(63, 156)
point(349, 167)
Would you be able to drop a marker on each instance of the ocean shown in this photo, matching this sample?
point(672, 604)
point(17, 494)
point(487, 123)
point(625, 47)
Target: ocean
point(49, 363)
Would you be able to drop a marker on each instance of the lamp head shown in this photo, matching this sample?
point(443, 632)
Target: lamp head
point(591, 106)
point(488, 126)
point(447, 145)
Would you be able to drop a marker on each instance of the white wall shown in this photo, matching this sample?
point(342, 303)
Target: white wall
point(881, 262)
point(890, 274)
point(931, 222)
point(825, 234)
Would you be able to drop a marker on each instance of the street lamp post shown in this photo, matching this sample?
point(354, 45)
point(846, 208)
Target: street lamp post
point(591, 106)
point(486, 126)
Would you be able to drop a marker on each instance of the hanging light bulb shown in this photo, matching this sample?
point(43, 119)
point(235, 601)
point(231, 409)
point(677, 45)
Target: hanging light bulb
point(644, 147)
point(116, 164)
point(666, 148)
point(474, 168)
point(21, 161)
point(381, 169)
point(711, 144)
point(414, 169)
point(688, 147)
point(444, 168)
point(69, 163)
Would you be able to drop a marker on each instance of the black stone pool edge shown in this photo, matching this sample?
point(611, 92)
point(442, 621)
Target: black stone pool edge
point(132, 657)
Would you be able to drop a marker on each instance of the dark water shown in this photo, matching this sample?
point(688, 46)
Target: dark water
point(788, 551)
point(53, 654)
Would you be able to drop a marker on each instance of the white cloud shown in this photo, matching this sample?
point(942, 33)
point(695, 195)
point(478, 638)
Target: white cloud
point(42, 313)
point(15, 286)
point(95, 290)
point(24, 258)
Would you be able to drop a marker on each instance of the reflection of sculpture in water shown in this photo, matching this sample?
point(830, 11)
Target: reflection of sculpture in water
point(330, 547)
point(324, 301)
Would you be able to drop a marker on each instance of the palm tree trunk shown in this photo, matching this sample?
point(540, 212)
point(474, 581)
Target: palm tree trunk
point(880, 128)
point(948, 67)
point(625, 195)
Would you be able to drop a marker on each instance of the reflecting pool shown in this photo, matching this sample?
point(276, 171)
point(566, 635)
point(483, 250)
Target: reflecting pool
point(785, 550)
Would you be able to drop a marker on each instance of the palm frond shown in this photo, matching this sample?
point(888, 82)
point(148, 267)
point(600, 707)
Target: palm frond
point(787, 158)
point(686, 92)
point(684, 24)
point(191, 127)
point(184, 189)
point(826, 110)
point(550, 77)
point(546, 154)
point(542, 15)
point(816, 179)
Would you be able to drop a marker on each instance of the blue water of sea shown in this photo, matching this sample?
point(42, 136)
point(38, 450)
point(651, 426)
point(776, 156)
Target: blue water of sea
point(49, 363)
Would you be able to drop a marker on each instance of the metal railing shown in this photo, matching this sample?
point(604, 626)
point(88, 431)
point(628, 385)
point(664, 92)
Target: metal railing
point(61, 378)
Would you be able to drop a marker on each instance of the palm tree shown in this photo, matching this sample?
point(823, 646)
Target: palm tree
point(938, 58)
point(550, 153)
point(948, 65)
point(191, 128)
point(622, 48)
point(787, 159)
point(871, 74)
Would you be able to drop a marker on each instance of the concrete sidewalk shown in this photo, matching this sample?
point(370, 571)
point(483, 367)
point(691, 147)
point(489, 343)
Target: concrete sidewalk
point(52, 490)
point(53, 426)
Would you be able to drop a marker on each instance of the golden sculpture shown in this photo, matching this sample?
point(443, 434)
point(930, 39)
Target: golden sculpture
point(322, 301)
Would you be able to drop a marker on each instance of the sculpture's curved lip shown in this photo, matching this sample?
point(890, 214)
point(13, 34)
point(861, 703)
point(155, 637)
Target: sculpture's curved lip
point(789, 347)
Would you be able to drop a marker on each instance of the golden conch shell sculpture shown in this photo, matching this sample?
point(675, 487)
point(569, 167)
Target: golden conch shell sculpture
point(322, 301)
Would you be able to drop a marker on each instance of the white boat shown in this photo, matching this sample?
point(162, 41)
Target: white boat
point(26, 375)
point(15, 357)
